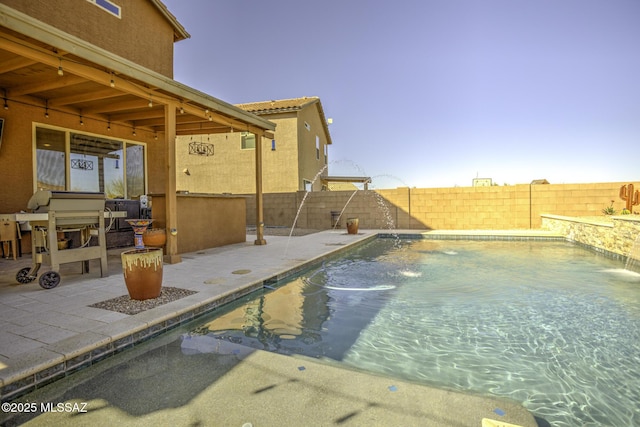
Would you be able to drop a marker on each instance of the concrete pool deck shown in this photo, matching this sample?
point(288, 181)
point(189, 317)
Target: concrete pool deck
point(47, 334)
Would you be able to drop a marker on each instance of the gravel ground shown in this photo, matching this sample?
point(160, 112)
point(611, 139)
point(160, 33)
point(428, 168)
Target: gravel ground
point(126, 305)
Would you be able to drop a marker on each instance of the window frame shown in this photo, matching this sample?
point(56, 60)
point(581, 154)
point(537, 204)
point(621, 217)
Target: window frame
point(67, 155)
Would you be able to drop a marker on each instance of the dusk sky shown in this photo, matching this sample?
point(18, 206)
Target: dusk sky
point(434, 93)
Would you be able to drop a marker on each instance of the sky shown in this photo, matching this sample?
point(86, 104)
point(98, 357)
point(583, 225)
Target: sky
point(435, 93)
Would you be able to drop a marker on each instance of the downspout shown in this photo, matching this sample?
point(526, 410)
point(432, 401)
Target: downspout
point(259, 204)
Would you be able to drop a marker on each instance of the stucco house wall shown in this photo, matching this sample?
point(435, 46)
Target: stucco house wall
point(309, 163)
point(141, 34)
point(287, 161)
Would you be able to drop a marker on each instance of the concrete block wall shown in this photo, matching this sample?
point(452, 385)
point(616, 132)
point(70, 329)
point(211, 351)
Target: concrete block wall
point(461, 208)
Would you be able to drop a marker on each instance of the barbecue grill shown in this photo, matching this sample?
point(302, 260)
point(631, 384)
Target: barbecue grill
point(64, 211)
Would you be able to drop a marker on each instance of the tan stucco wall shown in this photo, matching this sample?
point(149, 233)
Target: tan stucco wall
point(17, 152)
point(142, 35)
point(204, 221)
point(16, 158)
point(310, 166)
point(229, 170)
point(232, 170)
point(463, 208)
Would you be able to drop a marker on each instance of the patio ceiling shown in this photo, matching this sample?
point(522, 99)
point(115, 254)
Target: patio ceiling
point(58, 72)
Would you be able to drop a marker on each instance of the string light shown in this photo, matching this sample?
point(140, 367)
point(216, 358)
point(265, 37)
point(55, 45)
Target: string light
point(150, 103)
point(60, 72)
point(181, 110)
point(3, 97)
point(112, 83)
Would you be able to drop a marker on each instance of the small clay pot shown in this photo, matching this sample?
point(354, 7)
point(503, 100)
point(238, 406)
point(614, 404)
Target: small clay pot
point(155, 237)
point(352, 225)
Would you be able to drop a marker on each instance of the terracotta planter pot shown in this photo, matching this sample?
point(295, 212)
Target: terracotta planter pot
point(155, 237)
point(142, 270)
point(352, 225)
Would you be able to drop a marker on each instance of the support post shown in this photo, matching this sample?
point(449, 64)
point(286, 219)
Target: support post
point(171, 200)
point(259, 207)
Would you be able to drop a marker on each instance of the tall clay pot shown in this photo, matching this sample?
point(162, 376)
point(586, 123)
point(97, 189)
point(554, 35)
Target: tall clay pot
point(143, 272)
point(352, 225)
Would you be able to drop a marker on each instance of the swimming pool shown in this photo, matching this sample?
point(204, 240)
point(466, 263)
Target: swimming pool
point(549, 324)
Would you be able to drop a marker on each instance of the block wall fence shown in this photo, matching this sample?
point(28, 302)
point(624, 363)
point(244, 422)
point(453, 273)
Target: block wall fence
point(460, 208)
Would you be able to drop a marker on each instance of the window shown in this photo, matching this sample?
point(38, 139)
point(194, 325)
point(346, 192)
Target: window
point(80, 162)
point(317, 147)
point(109, 6)
point(135, 171)
point(308, 185)
point(95, 165)
point(307, 126)
point(248, 141)
point(50, 159)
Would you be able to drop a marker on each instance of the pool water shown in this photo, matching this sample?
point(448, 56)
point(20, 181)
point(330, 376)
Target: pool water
point(549, 324)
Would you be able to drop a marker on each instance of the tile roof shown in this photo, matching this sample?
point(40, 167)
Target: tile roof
point(278, 106)
point(285, 106)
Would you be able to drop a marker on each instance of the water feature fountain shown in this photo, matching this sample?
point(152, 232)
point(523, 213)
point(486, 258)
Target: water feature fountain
point(315, 178)
point(633, 258)
point(295, 220)
point(344, 207)
point(388, 221)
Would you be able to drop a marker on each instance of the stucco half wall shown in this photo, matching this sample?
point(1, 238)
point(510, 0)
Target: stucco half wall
point(204, 220)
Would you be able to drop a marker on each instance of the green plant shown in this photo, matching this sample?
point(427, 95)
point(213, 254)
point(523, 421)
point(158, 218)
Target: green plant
point(625, 212)
point(609, 210)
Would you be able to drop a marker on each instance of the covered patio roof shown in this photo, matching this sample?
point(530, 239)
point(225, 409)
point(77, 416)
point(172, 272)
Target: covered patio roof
point(366, 180)
point(41, 66)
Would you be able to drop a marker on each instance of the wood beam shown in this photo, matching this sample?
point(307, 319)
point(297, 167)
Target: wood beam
point(117, 106)
point(148, 117)
point(217, 118)
point(15, 64)
point(54, 83)
point(84, 97)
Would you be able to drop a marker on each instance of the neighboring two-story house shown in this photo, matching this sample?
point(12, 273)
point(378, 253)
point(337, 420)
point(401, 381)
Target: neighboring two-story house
point(294, 160)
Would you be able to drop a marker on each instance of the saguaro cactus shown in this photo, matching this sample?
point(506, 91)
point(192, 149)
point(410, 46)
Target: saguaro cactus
point(631, 197)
